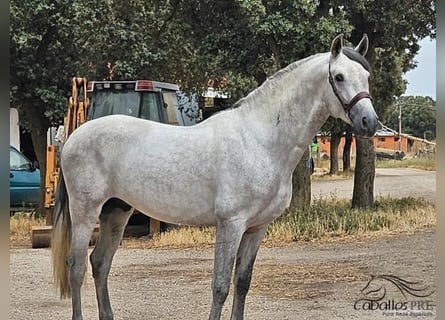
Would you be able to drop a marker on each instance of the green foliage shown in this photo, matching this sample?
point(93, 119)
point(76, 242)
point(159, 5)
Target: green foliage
point(41, 59)
point(139, 39)
point(189, 42)
point(386, 81)
point(253, 39)
point(418, 116)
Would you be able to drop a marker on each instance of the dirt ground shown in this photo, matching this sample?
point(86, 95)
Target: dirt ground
point(305, 280)
point(299, 281)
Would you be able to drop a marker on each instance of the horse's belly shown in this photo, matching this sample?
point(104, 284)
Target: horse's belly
point(186, 213)
point(170, 193)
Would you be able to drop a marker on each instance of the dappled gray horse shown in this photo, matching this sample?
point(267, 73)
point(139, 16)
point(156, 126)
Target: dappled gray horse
point(232, 171)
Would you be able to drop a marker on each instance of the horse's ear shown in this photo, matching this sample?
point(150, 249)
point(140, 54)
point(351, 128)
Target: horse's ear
point(337, 45)
point(362, 47)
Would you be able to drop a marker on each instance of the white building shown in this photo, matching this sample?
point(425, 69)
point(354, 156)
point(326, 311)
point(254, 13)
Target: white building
point(14, 128)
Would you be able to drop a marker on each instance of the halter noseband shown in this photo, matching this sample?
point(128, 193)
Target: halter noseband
point(347, 106)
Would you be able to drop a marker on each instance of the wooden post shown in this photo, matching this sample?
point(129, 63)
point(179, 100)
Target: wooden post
point(41, 236)
point(155, 227)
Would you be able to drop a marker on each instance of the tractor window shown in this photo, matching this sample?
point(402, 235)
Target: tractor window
point(104, 103)
point(151, 106)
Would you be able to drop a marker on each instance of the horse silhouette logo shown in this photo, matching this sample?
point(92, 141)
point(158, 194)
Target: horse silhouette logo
point(377, 288)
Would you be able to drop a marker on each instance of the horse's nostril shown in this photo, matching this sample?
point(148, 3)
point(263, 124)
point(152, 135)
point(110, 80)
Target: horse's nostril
point(369, 125)
point(365, 123)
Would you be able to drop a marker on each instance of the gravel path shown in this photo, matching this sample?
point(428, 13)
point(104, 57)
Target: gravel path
point(394, 182)
point(300, 281)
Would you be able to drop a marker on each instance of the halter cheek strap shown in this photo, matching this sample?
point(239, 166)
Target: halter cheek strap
point(347, 106)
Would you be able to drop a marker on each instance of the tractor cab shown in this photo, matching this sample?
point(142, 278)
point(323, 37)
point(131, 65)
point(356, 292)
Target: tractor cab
point(151, 100)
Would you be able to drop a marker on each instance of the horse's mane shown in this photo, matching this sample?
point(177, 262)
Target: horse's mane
point(272, 80)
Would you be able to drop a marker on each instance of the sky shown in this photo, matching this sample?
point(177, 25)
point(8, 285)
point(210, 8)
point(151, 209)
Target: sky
point(422, 79)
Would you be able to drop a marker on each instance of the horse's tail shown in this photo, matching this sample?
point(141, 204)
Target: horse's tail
point(61, 239)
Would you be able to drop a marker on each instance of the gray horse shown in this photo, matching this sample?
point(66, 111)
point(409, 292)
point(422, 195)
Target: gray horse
point(232, 171)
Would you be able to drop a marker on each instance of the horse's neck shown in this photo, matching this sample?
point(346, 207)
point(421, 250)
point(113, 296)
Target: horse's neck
point(288, 111)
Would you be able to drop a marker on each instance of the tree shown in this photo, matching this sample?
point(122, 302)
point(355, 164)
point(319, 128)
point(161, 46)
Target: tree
point(347, 150)
point(363, 192)
point(418, 116)
point(335, 129)
point(138, 39)
point(301, 185)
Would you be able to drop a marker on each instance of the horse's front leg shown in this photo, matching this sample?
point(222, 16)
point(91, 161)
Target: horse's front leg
point(228, 237)
point(245, 258)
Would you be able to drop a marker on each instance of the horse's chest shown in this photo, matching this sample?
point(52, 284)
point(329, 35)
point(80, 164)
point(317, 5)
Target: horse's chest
point(281, 200)
point(272, 195)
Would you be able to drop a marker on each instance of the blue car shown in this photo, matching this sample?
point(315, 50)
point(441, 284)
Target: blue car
point(24, 180)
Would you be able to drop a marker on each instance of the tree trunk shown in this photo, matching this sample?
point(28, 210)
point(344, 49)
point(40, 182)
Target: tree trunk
point(301, 185)
point(347, 151)
point(335, 141)
point(363, 194)
point(39, 143)
point(38, 130)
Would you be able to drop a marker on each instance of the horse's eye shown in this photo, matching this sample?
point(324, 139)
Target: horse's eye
point(339, 77)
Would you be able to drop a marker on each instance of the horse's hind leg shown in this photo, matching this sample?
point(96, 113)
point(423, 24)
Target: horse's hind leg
point(245, 258)
point(113, 219)
point(82, 228)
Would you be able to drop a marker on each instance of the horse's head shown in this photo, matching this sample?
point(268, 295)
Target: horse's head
point(348, 77)
point(374, 289)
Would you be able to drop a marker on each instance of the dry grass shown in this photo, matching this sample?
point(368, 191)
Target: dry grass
point(327, 218)
point(325, 176)
point(182, 237)
point(20, 228)
point(416, 163)
point(335, 218)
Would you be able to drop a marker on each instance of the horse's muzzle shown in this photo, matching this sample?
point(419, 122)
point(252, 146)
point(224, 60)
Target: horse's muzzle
point(368, 127)
point(364, 120)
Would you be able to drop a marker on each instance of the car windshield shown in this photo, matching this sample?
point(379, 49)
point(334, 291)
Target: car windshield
point(17, 161)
